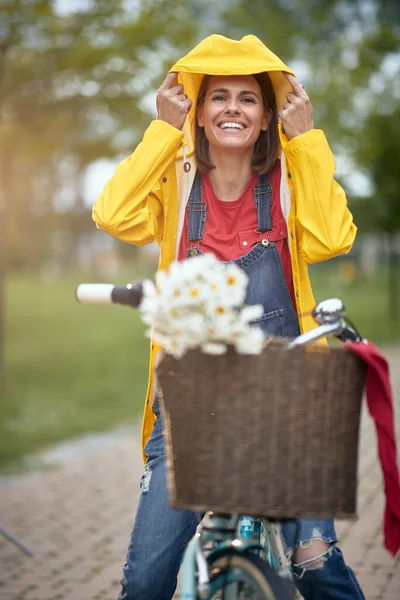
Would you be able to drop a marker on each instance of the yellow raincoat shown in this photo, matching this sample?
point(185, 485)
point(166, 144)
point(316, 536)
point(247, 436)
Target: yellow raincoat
point(146, 198)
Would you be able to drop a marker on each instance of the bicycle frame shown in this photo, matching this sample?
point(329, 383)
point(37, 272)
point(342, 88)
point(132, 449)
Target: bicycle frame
point(238, 533)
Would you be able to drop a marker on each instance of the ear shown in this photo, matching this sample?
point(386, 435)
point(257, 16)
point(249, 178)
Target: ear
point(266, 120)
point(200, 120)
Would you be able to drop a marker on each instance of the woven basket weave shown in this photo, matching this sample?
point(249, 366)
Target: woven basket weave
point(272, 435)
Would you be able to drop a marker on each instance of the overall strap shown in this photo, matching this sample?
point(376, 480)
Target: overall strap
point(262, 198)
point(196, 211)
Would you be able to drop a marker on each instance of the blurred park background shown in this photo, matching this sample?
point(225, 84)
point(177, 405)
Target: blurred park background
point(77, 90)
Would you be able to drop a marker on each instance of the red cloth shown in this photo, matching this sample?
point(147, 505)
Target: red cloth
point(380, 406)
point(230, 226)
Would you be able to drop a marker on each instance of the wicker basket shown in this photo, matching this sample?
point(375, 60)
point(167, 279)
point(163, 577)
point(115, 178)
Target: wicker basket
point(272, 435)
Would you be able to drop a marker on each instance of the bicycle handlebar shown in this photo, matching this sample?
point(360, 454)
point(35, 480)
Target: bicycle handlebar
point(107, 293)
point(329, 314)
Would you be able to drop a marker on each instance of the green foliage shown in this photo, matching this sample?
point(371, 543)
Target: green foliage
point(341, 47)
point(71, 84)
point(380, 150)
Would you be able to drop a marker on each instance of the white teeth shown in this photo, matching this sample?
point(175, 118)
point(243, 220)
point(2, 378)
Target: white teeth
point(229, 125)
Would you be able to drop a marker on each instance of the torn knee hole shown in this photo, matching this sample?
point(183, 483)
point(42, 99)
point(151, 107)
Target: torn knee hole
point(311, 554)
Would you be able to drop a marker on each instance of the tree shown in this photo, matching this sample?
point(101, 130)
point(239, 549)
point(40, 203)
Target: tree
point(379, 151)
point(72, 89)
point(336, 45)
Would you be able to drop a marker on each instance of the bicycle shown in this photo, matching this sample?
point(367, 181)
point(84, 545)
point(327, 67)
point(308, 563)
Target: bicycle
point(234, 556)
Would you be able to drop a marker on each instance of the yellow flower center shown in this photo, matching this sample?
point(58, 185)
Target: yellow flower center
point(231, 280)
point(221, 310)
point(194, 292)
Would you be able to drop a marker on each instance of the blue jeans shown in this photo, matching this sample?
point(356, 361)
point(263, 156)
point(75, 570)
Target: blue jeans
point(161, 533)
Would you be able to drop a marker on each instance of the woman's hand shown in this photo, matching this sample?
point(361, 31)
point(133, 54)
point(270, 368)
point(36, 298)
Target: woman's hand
point(296, 114)
point(172, 103)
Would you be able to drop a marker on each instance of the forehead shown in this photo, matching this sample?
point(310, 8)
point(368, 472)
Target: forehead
point(233, 82)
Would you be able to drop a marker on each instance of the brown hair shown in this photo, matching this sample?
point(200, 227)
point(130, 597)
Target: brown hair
point(266, 147)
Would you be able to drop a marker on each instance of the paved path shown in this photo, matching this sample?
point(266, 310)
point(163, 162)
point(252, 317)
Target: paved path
point(77, 518)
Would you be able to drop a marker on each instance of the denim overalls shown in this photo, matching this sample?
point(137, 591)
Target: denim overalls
point(262, 264)
point(161, 533)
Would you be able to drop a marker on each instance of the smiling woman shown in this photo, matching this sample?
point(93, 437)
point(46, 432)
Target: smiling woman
point(251, 95)
point(216, 173)
point(237, 108)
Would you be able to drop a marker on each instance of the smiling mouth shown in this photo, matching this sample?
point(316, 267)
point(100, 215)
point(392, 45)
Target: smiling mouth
point(231, 126)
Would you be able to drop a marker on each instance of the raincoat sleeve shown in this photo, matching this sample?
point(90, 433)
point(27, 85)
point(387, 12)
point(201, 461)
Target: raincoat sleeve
point(130, 207)
point(324, 224)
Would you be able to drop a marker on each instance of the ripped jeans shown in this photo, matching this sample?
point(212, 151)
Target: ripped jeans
point(160, 535)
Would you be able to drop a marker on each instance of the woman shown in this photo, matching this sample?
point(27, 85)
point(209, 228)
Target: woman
point(216, 173)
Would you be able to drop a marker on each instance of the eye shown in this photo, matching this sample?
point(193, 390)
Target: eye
point(249, 99)
point(218, 97)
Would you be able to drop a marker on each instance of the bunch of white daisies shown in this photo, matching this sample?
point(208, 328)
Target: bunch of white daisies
point(198, 303)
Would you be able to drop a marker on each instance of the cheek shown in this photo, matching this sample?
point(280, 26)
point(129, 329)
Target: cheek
point(209, 115)
point(209, 123)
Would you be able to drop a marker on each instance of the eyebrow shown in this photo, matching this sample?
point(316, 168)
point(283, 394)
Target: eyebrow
point(243, 92)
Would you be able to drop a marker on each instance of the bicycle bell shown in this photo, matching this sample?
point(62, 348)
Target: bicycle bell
point(329, 311)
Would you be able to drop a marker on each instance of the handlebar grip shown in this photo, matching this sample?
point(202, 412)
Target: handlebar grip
point(130, 294)
point(95, 293)
point(108, 293)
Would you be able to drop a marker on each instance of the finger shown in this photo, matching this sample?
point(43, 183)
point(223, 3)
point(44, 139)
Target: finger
point(177, 89)
point(292, 98)
point(296, 85)
point(188, 105)
point(284, 114)
point(168, 81)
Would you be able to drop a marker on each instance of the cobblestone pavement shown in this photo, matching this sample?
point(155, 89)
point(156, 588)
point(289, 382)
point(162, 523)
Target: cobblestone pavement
point(77, 519)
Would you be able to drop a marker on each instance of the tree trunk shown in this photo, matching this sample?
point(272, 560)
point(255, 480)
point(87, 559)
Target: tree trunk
point(393, 281)
point(3, 261)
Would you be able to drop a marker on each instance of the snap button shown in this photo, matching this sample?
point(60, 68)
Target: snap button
point(282, 233)
point(164, 179)
point(297, 293)
point(265, 243)
point(289, 175)
point(244, 243)
point(186, 167)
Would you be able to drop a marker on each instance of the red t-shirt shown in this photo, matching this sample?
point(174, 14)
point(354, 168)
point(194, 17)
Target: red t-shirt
point(230, 226)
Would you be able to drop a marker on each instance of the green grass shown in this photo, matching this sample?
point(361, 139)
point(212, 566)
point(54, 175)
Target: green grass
point(366, 300)
point(69, 368)
point(72, 369)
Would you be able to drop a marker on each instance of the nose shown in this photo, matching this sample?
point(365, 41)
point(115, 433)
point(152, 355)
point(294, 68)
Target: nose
point(232, 106)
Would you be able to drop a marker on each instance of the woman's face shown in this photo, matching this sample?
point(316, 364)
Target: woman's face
point(233, 112)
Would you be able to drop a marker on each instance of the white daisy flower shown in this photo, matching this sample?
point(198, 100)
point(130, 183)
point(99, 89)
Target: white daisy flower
point(251, 313)
point(198, 303)
point(250, 342)
point(213, 348)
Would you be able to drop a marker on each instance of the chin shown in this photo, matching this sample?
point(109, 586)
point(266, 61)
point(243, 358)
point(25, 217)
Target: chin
point(234, 145)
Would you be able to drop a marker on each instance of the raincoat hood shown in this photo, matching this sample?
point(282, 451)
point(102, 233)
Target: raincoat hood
point(218, 55)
